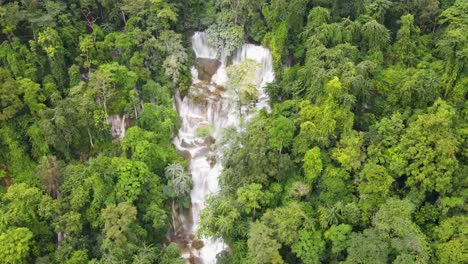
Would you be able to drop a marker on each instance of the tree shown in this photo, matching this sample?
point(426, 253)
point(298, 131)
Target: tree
point(221, 219)
point(159, 119)
point(393, 221)
point(376, 35)
point(15, 245)
point(243, 82)
point(277, 41)
point(312, 164)
point(112, 86)
point(450, 46)
point(171, 255)
point(180, 183)
point(102, 84)
point(374, 184)
point(286, 222)
point(367, 247)
point(339, 236)
point(50, 40)
point(281, 133)
point(33, 98)
point(349, 152)
point(117, 223)
point(450, 246)
point(309, 247)
point(263, 248)
point(145, 255)
point(9, 96)
point(226, 37)
point(378, 9)
point(176, 55)
point(406, 44)
point(428, 148)
point(334, 186)
point(252, 197)
point(181, 180)
point(131, 177)
point(79, 256)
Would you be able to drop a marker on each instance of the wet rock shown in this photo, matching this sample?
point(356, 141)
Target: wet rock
point(186, 144)
point(201, 152)
point(185, 154)
point(197, 244)
point(207, 68)
point(209, 140)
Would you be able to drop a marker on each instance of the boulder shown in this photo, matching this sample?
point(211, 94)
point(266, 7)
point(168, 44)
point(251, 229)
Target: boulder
point(207, 68)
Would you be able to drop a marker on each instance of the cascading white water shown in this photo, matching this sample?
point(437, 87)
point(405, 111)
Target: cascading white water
point(209, 108)
point(118, 126)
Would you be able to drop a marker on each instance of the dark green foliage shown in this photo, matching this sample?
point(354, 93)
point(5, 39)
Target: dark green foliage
point(70, 193)
point(366, 144)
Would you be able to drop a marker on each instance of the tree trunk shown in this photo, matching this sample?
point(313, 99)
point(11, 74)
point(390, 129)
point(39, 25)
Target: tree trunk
point(173, 216)
point(124, 19)
point(90, 137)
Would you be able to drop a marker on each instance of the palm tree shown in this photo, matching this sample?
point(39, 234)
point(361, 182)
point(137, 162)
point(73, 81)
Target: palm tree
point(181, 183)
point(173, 170)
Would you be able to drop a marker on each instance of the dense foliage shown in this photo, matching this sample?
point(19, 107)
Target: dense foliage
point(70, 193)
point(363, 158)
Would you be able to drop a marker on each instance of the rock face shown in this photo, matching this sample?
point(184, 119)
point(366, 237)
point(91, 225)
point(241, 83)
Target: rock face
point(207, 68)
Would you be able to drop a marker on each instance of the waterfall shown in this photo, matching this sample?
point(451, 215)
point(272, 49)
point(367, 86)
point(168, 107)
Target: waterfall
point(118, 126)
point(205, 112)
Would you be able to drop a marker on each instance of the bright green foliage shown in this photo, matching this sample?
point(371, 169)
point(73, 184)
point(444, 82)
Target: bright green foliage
point(312, 164)
point(406, 44)
point(281, 133)
point(349, 153)
point(252, 197)
point(376, 35)
point(15, 245)
point(171, 255)
point(160, 120)
point(33, 98)
point(285, 221)
point(79, 256)
point(334, 186)
point(131, 176)
point(277, 42)
point(117, 221)
point(431, 141)
point(67, 67)
point(263, 248)
point(374, 184)
point(339, 237)
point(222, 218)
point(9, 96)
point(243, 81)
point(309, 247)
point(451, 239)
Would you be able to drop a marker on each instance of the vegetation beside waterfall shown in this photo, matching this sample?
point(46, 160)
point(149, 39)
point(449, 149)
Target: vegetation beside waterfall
point(361, 160)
